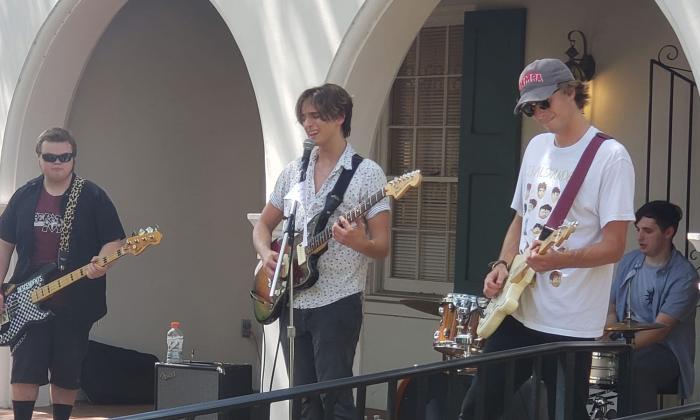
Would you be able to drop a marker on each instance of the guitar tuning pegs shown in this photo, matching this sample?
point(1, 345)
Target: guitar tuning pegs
point(149, 230)
point(141, 231)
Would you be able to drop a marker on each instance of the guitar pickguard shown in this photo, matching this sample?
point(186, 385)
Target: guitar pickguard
point(267, 308)
point(520, 276)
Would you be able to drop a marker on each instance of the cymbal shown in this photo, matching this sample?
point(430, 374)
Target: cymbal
point(425, 306)
point(631, 325)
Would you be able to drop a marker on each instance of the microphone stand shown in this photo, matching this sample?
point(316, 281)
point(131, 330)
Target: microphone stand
point(628, 335)
point(291, 331)
point(289, 233)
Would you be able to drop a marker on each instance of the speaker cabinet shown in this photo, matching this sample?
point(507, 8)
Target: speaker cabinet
point(180, 384)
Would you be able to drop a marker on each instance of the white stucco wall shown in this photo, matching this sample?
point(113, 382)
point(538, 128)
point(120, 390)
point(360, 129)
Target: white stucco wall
point(175, 139)
point(287, 47)
point(684, 17)
point(19, 23)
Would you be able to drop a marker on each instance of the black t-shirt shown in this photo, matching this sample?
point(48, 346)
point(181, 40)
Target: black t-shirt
point(95, 223)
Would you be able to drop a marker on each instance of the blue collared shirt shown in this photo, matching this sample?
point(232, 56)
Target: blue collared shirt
point(674, 293)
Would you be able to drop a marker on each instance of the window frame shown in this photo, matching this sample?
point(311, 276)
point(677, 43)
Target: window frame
point(380, 280)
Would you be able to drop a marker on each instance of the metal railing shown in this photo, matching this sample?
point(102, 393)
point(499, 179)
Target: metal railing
point(565, 353)
point(682, 412)
point(686, 83)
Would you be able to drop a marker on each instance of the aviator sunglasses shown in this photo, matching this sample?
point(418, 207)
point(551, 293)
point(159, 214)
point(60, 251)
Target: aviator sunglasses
point(529, 107)
point(51, 158)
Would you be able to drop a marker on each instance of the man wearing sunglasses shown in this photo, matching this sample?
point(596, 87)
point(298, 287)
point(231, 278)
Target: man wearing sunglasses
point(31, 224)
point(570, 305)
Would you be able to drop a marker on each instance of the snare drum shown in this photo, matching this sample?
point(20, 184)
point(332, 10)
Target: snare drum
point(603, 369)
point(459, 317)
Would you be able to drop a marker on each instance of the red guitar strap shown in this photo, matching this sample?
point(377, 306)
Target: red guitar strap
point(556, 219)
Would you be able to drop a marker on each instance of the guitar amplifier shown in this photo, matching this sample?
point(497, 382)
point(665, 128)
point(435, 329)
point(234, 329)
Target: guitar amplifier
point(179, 384)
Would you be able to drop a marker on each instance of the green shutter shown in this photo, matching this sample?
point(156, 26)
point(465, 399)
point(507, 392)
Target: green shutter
point(489, 153)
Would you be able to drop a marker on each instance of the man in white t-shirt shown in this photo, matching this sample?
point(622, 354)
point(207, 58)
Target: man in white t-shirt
point(569, 299)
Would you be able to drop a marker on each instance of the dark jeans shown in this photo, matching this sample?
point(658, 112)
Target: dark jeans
point(654, 368)
point(325, 343)
point(491, 379)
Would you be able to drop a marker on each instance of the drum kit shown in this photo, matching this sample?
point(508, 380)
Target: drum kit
point(604, 368)
point(459, 313)
point(456, 338)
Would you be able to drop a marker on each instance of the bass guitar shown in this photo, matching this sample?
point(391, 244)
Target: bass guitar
point(23, 300)
point(266, 305)
point(520, 276)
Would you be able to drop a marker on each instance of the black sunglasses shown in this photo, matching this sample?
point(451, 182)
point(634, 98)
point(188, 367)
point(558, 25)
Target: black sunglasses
point(51, 158)
point(529, 108)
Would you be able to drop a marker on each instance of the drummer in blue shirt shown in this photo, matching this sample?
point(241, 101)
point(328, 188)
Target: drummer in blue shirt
point(663, 288)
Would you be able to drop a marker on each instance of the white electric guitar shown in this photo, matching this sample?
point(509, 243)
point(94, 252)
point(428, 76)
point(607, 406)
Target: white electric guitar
point(519, 277)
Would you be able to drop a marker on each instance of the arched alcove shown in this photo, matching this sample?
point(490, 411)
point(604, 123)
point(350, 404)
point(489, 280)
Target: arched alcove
point(159, 99)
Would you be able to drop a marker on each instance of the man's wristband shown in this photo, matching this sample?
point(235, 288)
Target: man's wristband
point(493, 264)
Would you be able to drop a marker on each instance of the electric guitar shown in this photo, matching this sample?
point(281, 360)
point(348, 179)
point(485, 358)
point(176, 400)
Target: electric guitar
point(519, 277)
point(23, 301)
point(267, 308)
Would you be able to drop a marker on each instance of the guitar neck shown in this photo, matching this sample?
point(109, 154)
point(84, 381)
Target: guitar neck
point(320, 239)
point(48, 290)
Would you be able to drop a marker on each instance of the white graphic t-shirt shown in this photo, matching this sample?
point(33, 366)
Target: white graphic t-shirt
point(572, 301)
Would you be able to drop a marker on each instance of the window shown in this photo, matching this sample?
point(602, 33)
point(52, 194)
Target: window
point(423, 133)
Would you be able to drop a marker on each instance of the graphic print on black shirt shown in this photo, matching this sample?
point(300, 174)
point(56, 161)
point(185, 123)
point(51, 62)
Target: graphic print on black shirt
point(47, 228)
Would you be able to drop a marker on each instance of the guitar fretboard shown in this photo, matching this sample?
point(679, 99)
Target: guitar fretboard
point(321, 238)
point(48, 290)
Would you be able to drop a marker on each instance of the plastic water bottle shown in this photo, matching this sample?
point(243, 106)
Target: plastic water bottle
point(175, 340)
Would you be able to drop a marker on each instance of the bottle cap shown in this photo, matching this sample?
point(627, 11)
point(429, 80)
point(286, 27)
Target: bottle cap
point(175, 324)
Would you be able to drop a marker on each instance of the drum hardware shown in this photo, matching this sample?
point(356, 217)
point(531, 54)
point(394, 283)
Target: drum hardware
point(600, 402)
point(603, 370)
point(603, 379)
point(464, 340)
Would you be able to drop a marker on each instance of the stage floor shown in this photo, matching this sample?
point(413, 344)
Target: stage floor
point(88, 411)
point(85, 411)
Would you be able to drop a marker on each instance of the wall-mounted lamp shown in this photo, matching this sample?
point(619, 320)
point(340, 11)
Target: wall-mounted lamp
point(694, 238)
point(582, 68)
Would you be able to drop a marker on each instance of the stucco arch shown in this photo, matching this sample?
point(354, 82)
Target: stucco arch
point(355, 52)
point(52, 91)
point(363, 56)
point(363, 43)
point(48, 80)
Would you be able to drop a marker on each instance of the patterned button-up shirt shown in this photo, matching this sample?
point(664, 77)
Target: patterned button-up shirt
point(343, 271)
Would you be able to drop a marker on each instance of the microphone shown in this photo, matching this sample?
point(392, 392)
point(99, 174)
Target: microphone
point(308, 147)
